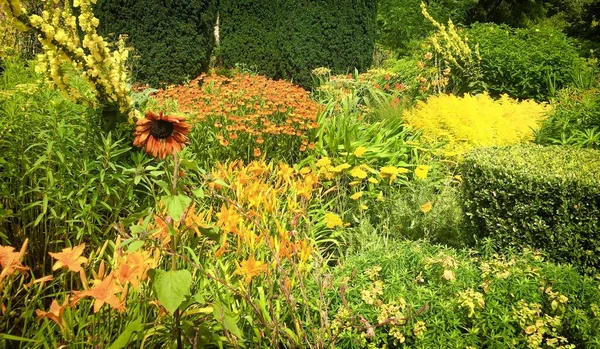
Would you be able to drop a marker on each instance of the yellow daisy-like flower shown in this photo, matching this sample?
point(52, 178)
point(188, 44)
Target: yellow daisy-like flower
point(356, 195)
point(427, 207)
point(358, 172)
point(421, 171)
point(360, 151)
point(323, 162)
point(332, 220)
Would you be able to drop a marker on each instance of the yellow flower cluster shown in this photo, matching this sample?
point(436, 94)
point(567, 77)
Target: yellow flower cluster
point(464, 123)
point(59, 33)
point(450, 50)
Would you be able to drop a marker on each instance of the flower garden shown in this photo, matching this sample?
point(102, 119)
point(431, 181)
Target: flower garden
point(378, 174)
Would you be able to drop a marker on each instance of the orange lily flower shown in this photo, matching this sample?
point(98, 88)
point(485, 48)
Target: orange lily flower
point(69, 258)
point(250, 268)
point(55, 313)
point(103, 292)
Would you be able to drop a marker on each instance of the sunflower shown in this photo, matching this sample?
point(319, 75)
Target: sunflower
point(160, 135)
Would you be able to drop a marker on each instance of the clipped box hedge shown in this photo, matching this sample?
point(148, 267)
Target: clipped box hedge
point(542, 197)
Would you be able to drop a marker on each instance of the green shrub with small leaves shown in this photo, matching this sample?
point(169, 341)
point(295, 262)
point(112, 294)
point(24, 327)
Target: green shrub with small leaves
point(417, 295)
point(524, 63)
point(542, 197)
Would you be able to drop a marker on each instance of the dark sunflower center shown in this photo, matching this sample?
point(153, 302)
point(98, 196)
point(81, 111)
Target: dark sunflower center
point(161, 129)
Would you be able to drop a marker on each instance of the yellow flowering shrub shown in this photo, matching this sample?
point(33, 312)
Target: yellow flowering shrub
point(69, 37)
point(464, 123)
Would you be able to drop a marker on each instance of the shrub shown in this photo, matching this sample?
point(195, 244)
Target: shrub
point(520, 62)
point(543, 197)
point(288, 38)
point(573, 119)
point(246, 116)
point(464, 123)
point(401, 22)
point(412, 294)
point(173, 40)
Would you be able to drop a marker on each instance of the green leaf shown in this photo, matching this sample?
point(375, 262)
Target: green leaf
point(199, 193)
point(225, 318)
point(125, 337)
point(176, 205)
point(171, 287)
point(134, 246)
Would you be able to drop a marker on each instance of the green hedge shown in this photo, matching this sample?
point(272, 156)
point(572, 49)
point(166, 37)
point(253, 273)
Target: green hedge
point(438, 293)
point(543, 197)
point(517, 61)
point(173, 39)
point(289, 38)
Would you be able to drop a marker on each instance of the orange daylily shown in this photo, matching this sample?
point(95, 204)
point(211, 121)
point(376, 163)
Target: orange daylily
point(55, 313)
point(250, 268)
point(69, 258)
point(103, 292)
point(11, 260)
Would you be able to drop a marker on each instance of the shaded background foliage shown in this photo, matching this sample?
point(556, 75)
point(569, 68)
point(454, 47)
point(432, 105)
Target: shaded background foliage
point(287, 39)
point(173, 39)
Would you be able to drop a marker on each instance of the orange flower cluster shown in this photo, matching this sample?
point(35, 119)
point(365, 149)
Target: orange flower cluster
point(129, 269)
point(261, 197)
point(249, 107)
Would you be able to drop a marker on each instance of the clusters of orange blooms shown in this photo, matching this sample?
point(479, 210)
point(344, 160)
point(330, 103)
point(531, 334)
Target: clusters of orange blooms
point(256, 195)
point(251, 107)
point(128, 270)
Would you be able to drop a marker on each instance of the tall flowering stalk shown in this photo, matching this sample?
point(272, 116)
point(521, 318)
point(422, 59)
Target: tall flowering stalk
point(70, 39)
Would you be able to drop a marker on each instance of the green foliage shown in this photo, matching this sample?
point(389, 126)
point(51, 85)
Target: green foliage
point(401, 23)
point(542, 197)
point(443, 224)
point(574, 119)
point(518, 13)
point(173, 40)
point(289, 38)
point(59, 177)
point(412, 294)
point(519, 61)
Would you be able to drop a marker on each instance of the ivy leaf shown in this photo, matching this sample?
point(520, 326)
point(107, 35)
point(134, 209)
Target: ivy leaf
point(171, 287)
point(176, 205)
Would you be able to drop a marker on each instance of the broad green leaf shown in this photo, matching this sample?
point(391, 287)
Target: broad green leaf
point(176, 205)
point(125, 337)
point(171, 287)
point(225, 318)
point(199, 193)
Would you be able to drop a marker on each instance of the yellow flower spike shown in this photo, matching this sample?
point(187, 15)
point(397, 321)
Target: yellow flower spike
point(360, 151)
point(380, 197)
point(421, 171)
point(353, 183)
point(425, 208)
point(364, 207)
point(373, 180)
point(356, 195)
